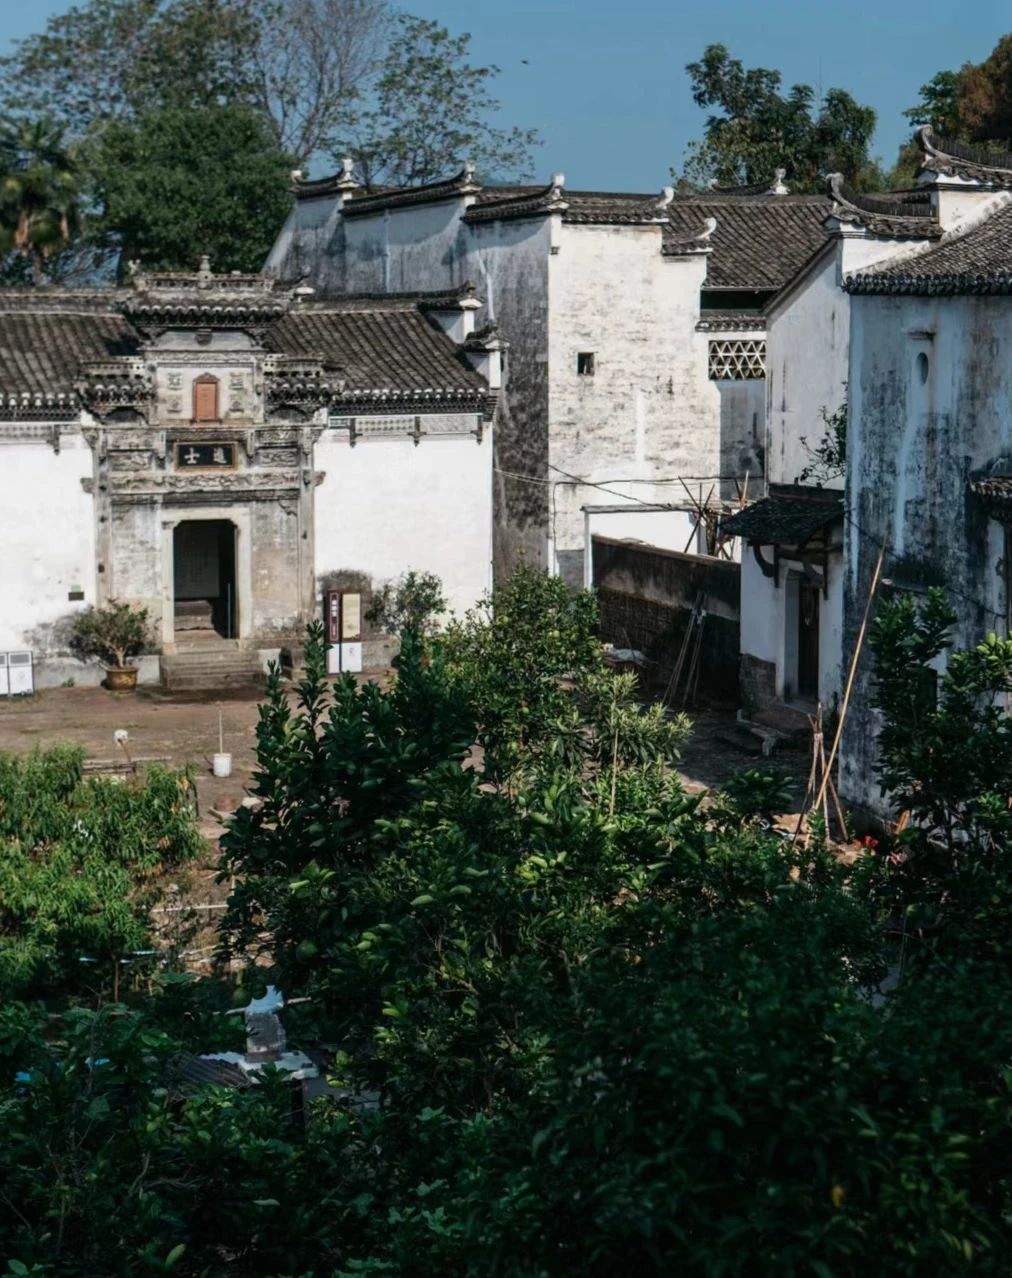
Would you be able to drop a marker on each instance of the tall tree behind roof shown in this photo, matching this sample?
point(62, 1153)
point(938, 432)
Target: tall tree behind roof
point(430, 111)
point(757, 128)
point(39, 195)
point(973, 104)
point(299, 62)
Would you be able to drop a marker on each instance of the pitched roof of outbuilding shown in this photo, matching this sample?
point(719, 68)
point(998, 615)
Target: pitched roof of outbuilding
point(377, 343)
point(977, 260)
point(790, 516)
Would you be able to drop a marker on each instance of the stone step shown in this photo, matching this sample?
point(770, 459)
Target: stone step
point(207, 660)
point(212, 682)
point(210, 668)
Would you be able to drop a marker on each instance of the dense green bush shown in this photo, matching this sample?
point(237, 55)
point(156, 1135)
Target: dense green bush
point(78, 859)
point(608, 1027)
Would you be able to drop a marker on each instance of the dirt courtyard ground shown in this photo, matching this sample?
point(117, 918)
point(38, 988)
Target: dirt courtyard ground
point(183, 728)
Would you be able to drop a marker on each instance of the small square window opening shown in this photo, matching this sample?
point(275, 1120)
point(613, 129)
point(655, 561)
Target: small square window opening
point(585, 363)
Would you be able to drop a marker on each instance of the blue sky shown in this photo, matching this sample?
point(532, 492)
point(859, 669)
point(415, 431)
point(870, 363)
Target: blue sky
point(604, 80)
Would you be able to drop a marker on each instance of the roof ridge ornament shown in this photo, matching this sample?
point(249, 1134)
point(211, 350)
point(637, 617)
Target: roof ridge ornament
point(667, 195)
point(778, 186)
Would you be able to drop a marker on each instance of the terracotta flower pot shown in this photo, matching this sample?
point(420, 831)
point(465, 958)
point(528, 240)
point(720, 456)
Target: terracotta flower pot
point(121, 678)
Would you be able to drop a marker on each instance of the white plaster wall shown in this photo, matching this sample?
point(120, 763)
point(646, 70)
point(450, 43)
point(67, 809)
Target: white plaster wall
point(387, 506)
point(913, 446)
point(762, 616)
point(666, 529)
point(808, 353)
point(48, 539)
point(765, 623)
point(649, 413)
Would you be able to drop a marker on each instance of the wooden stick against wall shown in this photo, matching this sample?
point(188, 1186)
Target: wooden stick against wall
point(850, 678)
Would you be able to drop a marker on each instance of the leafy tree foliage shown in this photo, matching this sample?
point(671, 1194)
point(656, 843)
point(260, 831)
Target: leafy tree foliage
point(77, 858)
point(182, 181)
point(429, 111)
point(39, 194)
point(974, 103)
point(413, 602)
point(828, 457)
point(581, 1022)
point(296, 62)
point(756, 128)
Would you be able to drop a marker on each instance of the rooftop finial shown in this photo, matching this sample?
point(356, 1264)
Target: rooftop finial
point(469, 171)
point(778, 186)
point(346, 180)
point(667, 195)
point(204, 270)
point(709, 226)
point(558, 182)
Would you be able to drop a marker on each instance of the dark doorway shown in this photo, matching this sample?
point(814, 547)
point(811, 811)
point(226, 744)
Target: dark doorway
point(808, 640)
point(204, 575)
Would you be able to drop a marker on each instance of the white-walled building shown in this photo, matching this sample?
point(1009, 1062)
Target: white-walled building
point(792, 579)
point(635, 328)
point(930, 431)
point(219, 450)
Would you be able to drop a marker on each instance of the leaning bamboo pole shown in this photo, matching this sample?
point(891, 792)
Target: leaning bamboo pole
point(850, 679)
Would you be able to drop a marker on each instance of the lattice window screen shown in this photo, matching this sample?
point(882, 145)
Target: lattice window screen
point(737, 360)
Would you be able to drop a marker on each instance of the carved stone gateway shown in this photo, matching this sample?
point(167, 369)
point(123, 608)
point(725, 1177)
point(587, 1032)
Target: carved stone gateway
point(205, 424)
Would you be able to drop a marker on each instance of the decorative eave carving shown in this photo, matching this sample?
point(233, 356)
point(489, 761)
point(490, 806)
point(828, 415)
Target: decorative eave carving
point(691, 246)
point(948, 158)
point(908, 216)
point(203, 300)
point(28, 407)
point(302, 383)
point(115, 383)
point(549, 199)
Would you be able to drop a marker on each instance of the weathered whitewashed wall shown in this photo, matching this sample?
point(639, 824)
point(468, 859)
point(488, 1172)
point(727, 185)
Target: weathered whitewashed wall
point(387, 506)
point(808, 352)
point(769, 626)
point(919, 428)
point(648, 413)
point(49, 549)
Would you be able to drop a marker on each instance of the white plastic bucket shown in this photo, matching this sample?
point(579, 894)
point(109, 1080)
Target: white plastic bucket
point(221, 763)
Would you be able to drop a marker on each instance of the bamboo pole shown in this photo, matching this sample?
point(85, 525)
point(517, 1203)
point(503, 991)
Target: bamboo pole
point(850, 677)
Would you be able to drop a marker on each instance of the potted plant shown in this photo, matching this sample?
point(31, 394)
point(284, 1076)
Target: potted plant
point(115, 633)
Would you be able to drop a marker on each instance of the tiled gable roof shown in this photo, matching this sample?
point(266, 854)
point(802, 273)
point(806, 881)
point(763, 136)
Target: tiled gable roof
point(760, 242)
point(977, 260)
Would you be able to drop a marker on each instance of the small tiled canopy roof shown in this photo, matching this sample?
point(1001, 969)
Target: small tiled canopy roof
point(761, 241)
point(789, 516)
point(978, 260)
point(377, 343)
point(995, 493)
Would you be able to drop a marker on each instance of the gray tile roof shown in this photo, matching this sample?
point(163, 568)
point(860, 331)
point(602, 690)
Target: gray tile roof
point(377, 343)
point(977, 260)
point(995, 493)
point(760, 242)
point(46, 338)
point(374, 344)
point(790, 516)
